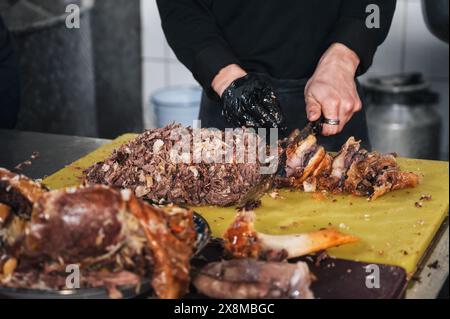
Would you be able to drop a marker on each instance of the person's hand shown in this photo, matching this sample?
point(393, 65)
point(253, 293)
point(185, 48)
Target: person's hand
point(331, 92)
point(247, 99)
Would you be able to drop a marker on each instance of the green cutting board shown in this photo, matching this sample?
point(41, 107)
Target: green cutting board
point(392, 230)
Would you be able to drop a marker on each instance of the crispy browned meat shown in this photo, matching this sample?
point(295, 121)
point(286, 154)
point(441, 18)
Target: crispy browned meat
point(376, 174)
point(19, 192)
point(5, 213)
point(353, 170)
point(303, 158)
point(252, 279)
point(171, 255)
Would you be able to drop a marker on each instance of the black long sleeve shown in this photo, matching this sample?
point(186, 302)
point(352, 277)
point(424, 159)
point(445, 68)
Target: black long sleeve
point(352, 31)
point(282, 38)
point(194, 36)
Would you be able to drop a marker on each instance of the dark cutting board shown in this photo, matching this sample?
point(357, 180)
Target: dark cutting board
point(336, 278)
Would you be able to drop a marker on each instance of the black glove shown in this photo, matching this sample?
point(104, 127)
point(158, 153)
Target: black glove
point(250, 101)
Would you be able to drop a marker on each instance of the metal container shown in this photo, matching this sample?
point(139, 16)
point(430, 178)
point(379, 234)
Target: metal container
point(402, 116)
point(436, 17)
point(56, 66)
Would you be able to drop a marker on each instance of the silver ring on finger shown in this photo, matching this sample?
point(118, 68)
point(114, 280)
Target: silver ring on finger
point(331, 122)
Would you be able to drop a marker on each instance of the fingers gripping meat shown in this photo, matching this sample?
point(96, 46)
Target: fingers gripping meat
point(242, 241)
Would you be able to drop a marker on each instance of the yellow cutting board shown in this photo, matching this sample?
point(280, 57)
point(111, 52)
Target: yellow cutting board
point(392, 230)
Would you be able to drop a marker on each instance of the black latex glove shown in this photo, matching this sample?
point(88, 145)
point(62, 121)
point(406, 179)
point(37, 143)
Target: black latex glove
point(250, 101)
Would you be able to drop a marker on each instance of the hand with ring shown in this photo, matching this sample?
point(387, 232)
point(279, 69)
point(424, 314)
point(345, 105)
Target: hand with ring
point(331, 92)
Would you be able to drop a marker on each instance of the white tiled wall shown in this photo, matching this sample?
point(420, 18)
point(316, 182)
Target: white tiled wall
point(409, 47)
point(161, 68)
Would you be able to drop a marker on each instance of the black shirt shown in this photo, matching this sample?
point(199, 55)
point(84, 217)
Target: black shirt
point(283, 38)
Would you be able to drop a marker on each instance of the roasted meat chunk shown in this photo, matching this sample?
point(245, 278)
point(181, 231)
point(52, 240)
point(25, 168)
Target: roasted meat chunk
point(375, 174)
point(253, 279)
point(114, 237)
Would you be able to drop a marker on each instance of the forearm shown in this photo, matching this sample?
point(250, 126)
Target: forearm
point(192, 33)
point(352, 30)
point(225, 77)
point(340, 56)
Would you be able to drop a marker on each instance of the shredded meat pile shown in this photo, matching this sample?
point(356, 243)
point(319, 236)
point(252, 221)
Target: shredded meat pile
point(145, 165)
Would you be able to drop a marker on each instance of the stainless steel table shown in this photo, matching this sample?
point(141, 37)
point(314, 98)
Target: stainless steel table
point(57, 151)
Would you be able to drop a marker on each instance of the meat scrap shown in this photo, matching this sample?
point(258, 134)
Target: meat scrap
point(29, 162)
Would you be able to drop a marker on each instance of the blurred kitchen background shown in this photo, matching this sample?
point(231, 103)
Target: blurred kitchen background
point(117, 74)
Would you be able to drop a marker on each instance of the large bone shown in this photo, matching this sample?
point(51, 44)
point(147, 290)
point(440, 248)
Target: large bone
point(242, 241)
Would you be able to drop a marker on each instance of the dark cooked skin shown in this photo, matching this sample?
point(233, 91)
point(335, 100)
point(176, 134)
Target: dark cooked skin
point(171, 256)
point(75, 225)
point(252, 279)
point(353, 170)
point(155, 176)
point(375, 174)
point(107, 232)
point(5, 214)
point(19, 192)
